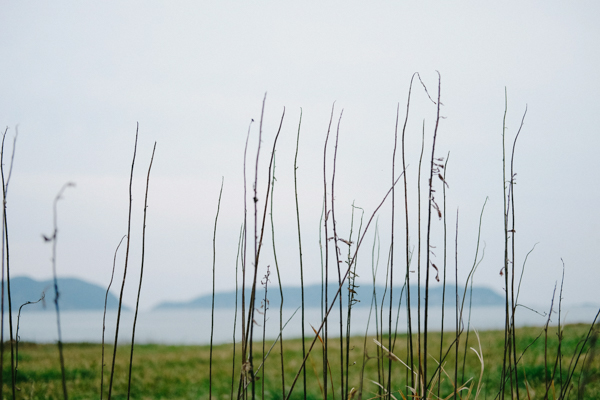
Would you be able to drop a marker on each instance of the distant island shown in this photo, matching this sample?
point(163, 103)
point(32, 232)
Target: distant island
point(292, 297)
point(75, 294)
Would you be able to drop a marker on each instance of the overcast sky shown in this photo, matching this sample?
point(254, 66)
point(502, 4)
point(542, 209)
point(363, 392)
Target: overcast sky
point(76, 77)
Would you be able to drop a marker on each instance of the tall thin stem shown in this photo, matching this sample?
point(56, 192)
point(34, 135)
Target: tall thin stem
point(431, 204)
point(53, 239)
point(458, 320)
point(513, 231)
point(505, 263)
point(137, 303)
point(250, 325)
point(245, 234)
point(326, 217)
point(6, 259)
point(300, 249)
point(258, 241)
point(408, 311)
point(212, 308)
point(112, 369)
point(337, 252)
point(235, 312)
point(444, 277)
point(104, 315)
point(389, 380)
point(419, 348)
point(279, 281)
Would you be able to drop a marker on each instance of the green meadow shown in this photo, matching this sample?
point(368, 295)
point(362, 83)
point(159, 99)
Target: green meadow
point(182, 372)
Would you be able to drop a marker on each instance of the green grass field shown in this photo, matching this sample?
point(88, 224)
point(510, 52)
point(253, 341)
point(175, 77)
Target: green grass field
point(182, 372)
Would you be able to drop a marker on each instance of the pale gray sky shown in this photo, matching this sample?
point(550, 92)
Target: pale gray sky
point(77, 76)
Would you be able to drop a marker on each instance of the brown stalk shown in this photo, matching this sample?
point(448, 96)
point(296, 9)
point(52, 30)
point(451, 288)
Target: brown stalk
point(389, 380)
point(431, 202)
point(458, 321)
point(258, 242)
point(42, 297)
point(279, 281)
point(300, 248)
point(6, 259)
point(337, 258)
point(512, 286)
point(419, 353)
point(104, 316)
point(212, 314)
point(408, 311)
point(235, 313)
point(245, 227)
point(112, 369)
point(326, 217)
point(505, 263)
point(137, 303)
point(53, 239)
point(444, 278)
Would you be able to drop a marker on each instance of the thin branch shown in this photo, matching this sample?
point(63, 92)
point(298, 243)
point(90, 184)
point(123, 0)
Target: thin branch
point(112, 369)
point(137, 303)
point(104, 316)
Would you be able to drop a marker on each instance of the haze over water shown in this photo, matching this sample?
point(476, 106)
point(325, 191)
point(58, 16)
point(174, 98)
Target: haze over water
point(193, 326)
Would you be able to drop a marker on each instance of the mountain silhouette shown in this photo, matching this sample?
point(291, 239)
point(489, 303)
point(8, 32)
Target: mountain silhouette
point(292, 297)
point(74, 294)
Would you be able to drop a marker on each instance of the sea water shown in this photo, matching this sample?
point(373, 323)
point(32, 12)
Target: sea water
point(193, 326)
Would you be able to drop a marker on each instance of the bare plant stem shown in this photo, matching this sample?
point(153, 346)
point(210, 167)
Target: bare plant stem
point(279, 281)
point(6, 259)
point(244, 247)
point(243, 370)
point(374, 303)
point(513, 231)
point(3, 262)
point(212, 309)
point(381, 360)
point(546, 378)
point(258, 242)
point(265, 307)
point(407, 279)
point(300, 249)
point(326, 217)
point(431, 204)
point(337, 253)
point(389, 380)
point(241, 238)
point(104, 316)
point(250, 323)
point(469, 284)
point(374, 268)
point(419, 351)
point(53, 239)
point(351, 293)
point(43, 295)
point(444, 278)
point(560, 331)
point(322, 305)
point(506, 360)
point(458, 320)
point(112, 369)
point(510, 353)
point(137, 303)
